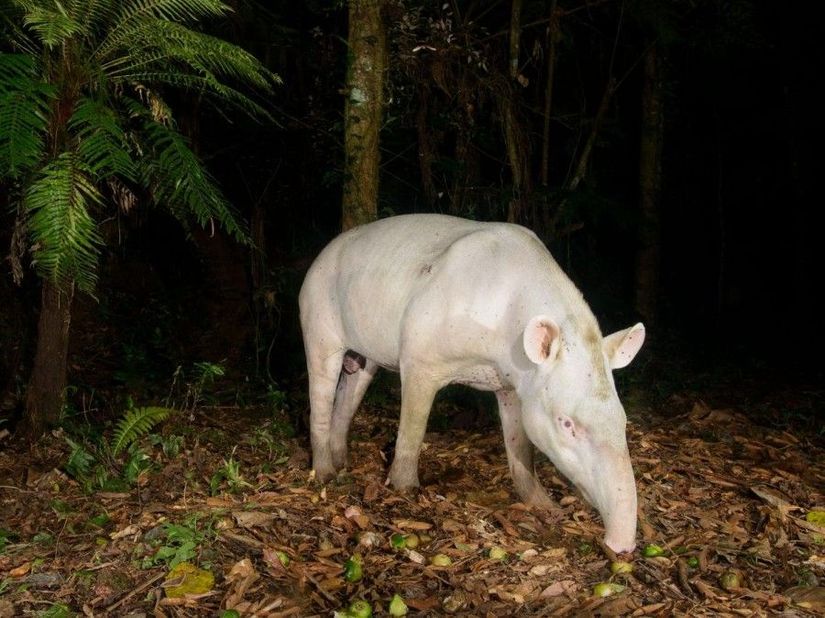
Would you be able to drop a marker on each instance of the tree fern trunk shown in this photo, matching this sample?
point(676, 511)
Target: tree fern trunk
point(363, 111)
point(46, 392)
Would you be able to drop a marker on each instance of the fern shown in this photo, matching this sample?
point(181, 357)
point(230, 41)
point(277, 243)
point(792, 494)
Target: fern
point(65, 238)
point(136, 423)
point(24, 110)
point(179, 181)
point(79, 464)
point(50, 22)
point(102, 144)
point(104, 60)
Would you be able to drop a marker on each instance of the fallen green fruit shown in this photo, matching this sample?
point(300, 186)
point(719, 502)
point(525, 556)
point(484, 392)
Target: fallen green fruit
point(353, 570)
point(730, 580)
point(441, 560)
point(621, 567)
point(816, 517)
point(397, 541)
point(651, 551)
point(412, 540)
point(283, 557)
point(693, 562)
point(605, 589)
point(497, 553)
point(397, 606)
point(230, 613)
point(360, 609)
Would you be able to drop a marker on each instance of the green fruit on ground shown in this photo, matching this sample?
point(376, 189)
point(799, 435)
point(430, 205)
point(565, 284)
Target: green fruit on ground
point(606, 589)
point(397, 606)
point(651, 551)
point(497, 553)
point(397, 541)
point(353, 568)
point(619, 567)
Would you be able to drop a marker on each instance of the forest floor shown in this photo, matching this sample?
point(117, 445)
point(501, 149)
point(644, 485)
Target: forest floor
point(731, 502)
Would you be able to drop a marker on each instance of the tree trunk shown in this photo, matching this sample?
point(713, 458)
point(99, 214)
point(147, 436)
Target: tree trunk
point(515, 37)
point(363, 111)
point(426, 147)
point(587, 151)
point(46, 392)
point(650, 183)
point(552, 44)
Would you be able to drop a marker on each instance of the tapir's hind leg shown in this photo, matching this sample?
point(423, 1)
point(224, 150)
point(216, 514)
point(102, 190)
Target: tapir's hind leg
point(520, 451)
point(351, 388)
point(324, 368)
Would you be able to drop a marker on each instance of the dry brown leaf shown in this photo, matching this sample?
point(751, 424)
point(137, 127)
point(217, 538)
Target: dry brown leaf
point(410, 524)
point(566, 586)
point(809, 597)
point(253, 519)
point(21, 570)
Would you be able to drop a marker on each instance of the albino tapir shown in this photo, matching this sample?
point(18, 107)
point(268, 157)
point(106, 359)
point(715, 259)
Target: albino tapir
point(444, 301)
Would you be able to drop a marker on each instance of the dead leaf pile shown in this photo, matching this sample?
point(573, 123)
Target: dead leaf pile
point(728, 502)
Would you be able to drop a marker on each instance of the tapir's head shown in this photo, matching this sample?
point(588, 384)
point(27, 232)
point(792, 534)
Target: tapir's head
point(572, 413)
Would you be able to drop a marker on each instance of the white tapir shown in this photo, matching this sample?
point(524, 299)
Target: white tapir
point(444, 301)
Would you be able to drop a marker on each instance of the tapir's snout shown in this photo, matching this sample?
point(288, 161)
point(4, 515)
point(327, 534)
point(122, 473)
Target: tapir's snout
point(613, 493)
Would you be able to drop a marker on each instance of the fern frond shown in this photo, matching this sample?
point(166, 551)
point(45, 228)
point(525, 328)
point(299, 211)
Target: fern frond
point(157, 51)
point(80, 461)
point(136, 423)
point(102, 145)
point(65, 239)
point(51, 23)
point(180, 182)
point(24, 113)
point(93, 14)
point(138, 11)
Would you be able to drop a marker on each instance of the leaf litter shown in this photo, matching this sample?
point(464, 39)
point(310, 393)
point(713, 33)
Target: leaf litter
point(735, 511)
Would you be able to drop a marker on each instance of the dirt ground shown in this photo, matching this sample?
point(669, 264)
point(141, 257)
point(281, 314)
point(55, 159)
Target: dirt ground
point(728, 501)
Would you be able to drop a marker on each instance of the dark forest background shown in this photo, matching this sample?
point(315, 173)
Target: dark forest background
point(738, 300)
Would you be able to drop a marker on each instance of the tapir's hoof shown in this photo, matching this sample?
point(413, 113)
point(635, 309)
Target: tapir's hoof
point(323, 475)
point(409, 491)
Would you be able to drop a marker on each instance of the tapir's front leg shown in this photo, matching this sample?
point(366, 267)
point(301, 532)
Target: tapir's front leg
point(520, 451)
point(417, 394)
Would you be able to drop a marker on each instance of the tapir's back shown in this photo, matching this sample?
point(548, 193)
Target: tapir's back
point(366, 279)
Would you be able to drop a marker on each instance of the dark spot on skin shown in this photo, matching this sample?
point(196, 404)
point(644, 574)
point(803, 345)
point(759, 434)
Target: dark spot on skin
point(568, 424)
point(426, 269)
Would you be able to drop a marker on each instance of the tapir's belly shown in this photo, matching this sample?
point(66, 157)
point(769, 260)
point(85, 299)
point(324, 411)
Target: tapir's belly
point(481, 377)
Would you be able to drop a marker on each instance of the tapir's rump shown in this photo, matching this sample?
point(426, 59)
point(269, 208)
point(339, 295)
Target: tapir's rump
point(446, 300)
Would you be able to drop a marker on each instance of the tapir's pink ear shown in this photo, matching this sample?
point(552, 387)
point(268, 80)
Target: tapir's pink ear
point(541, 339)
point(621, 347)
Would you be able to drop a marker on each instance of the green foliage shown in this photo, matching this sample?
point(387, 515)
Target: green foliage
point(170, 445)
point(79, 464)
point(230, 472)
point(179, 543)
point(6, 537)
point(58, 203)
point(83, 126)
point(136, 423)
point(92, 461)
point(24, 112)
point(189, 392)
point(58, 610)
